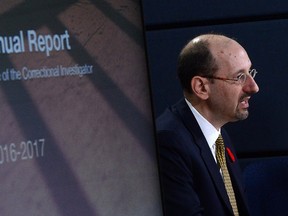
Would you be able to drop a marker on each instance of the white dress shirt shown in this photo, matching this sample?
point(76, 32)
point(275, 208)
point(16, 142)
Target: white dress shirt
point(210, 132)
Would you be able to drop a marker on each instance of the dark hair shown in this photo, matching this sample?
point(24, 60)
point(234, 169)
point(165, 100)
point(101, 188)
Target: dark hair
point(195, 59)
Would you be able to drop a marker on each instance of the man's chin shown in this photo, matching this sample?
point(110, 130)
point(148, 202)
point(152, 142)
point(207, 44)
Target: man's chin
point(242, 115)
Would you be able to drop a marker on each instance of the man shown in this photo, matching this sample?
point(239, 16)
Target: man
point(217, 81)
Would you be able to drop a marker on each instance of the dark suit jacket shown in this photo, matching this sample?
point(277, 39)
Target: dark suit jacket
point(190, 178)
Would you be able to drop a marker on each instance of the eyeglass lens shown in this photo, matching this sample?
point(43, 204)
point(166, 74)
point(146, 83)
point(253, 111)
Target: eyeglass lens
point(253, 73)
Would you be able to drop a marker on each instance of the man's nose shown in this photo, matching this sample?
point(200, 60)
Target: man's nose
point(250, 86)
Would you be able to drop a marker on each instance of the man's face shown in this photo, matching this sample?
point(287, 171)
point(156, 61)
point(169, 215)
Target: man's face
point(228, 100)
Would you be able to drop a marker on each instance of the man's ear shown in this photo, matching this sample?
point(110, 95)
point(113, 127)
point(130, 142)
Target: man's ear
point(200, 87)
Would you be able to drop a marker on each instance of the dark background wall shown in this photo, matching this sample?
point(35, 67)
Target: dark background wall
point(260, 27)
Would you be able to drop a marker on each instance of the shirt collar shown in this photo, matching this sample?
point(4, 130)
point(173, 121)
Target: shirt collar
point(210, 132)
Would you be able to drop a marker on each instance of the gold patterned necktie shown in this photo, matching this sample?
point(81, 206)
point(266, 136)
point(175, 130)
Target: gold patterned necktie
point(220, 155)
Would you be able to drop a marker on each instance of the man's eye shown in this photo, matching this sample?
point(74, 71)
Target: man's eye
point(240, 76)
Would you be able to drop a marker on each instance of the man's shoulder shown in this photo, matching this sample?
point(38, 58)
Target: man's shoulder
point(171, 117)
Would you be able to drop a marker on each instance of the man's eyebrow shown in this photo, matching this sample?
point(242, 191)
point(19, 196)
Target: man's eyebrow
point(239, 72)
point(243, 70)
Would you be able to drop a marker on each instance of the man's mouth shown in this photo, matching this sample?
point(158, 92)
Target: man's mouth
point(244, 103)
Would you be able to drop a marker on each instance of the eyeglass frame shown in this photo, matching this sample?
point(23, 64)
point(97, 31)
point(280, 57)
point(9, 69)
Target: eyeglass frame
point(251, 72)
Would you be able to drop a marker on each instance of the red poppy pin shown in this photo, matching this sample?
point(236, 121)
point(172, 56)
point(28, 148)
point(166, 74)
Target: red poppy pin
point(231, 155)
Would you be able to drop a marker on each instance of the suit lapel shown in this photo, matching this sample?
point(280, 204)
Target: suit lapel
point(192, 125)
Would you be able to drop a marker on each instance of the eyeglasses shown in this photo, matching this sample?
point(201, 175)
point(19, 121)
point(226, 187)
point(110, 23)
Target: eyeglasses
point(240, 79)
